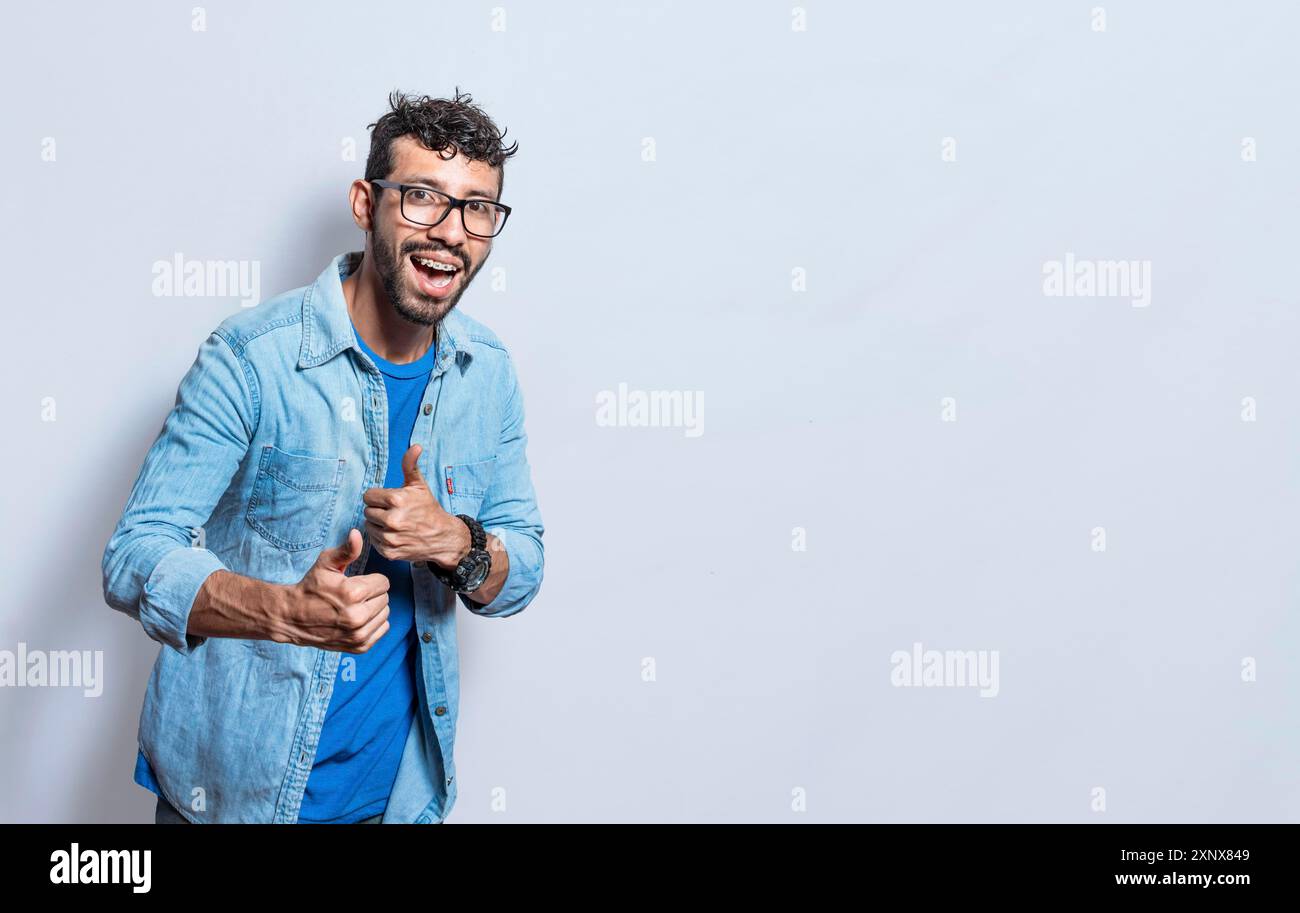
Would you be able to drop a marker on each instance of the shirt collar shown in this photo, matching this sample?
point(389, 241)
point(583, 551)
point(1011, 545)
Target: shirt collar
point(327, 326)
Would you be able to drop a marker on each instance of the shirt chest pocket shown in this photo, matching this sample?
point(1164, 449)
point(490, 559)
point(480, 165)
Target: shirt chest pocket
point(467, 483)
point(293, 498)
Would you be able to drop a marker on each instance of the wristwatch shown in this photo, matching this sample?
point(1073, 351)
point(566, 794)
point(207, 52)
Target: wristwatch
point(473, 569)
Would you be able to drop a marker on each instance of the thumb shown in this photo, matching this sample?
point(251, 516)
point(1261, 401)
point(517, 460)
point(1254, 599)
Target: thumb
point(339, 557)
point(411, 466)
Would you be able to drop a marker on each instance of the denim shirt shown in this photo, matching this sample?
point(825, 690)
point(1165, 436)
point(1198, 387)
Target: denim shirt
point(278, 428)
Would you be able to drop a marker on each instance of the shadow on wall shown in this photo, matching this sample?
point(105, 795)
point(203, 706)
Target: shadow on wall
point(64, 604)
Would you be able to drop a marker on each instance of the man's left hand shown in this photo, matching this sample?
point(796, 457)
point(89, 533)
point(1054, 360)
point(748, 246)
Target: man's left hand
point(408, 523)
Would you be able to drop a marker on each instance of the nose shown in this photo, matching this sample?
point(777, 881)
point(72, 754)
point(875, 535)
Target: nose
point(451, 230)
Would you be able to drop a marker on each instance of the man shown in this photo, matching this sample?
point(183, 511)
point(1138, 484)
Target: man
point(309, 672)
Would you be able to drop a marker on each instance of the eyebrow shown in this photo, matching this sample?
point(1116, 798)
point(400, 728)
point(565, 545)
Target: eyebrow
point(438, 185)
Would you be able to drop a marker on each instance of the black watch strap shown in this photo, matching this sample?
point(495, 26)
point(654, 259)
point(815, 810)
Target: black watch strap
point(477, 537)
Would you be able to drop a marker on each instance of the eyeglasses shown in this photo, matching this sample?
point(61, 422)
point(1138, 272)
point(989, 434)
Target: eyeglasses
point(426, 206)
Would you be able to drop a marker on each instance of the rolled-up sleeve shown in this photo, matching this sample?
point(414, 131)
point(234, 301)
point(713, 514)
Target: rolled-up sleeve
point(510, 513)
point(152, 568)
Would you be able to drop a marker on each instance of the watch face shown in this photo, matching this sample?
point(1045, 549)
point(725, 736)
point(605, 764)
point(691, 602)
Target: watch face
point(479, 573)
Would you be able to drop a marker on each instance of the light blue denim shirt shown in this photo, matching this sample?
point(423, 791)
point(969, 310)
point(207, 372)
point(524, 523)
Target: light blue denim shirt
point(278, 427)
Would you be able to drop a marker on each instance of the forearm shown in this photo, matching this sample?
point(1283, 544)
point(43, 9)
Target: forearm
point(496, 578)
point(232, 605)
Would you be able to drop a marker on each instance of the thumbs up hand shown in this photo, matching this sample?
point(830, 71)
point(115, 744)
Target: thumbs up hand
point(331, 610)
point(408, 523)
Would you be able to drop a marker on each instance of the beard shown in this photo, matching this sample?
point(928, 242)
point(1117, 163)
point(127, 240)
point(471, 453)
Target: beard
point(409, 302)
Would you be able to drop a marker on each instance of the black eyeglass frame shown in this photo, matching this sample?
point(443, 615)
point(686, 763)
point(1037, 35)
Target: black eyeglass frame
point(456, 203)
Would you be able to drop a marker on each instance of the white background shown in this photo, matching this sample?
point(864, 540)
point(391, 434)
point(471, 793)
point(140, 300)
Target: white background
point(775, 149)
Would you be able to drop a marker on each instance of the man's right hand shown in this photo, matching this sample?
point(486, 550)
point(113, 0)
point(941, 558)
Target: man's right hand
point(330, 610)
point(326, 609)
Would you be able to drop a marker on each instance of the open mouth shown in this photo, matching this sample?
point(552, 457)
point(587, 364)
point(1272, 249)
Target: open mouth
point(433, 276)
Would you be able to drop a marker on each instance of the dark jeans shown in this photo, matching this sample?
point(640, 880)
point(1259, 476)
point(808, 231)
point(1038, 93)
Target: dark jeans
point(165, 813)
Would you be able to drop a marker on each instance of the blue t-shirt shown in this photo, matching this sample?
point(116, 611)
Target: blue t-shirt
point(374, 702)
point(373, 705)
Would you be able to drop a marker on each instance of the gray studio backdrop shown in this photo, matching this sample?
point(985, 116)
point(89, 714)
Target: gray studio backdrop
point(982, 500)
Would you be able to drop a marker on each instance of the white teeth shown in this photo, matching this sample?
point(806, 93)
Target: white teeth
point(436, 265)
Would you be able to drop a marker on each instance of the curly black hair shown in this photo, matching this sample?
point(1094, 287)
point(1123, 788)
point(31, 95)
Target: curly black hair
point(438, 123)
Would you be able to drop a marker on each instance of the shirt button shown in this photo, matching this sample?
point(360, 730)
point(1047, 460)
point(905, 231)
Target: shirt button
point(426, 637)
point(428, 407)
point(375, 402)
point(439, 711)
